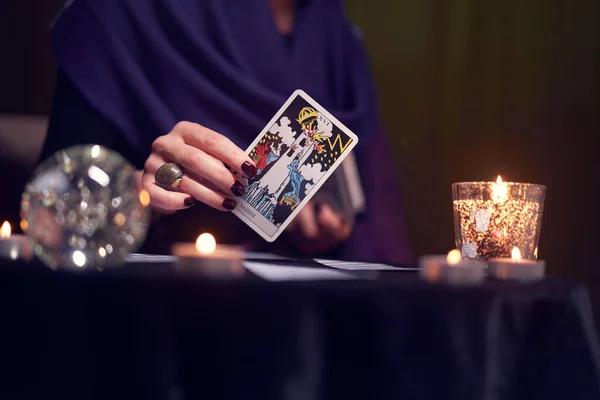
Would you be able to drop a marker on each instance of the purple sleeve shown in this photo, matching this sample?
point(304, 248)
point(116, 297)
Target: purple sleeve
point(379, 234)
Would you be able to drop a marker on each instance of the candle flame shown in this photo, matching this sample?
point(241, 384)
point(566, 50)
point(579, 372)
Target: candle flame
point(499, 191)
point(454, 257)
point(515, 253)
point(206, 243)
point(5, 230)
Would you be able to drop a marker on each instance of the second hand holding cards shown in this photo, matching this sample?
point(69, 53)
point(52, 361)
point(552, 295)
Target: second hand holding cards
point(294, 154)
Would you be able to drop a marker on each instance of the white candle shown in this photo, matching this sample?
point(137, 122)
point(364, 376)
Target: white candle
point(207, 258)
point(452, 269)
point(516, 267)
point(462, 271)
point(432, 268)
point(13, 247)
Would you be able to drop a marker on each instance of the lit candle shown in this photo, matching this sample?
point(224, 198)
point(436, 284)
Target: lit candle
point(499, 190)
point(432, 267)
point(452, 269)
point(461, 271)
point(516, 267)
point(490, 218)
point(208, 258)
point(13, 246)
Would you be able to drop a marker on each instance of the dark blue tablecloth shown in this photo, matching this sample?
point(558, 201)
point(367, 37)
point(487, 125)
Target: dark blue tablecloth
point(150, 333)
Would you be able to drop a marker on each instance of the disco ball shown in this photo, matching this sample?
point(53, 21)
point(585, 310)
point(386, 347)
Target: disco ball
point(82, 209)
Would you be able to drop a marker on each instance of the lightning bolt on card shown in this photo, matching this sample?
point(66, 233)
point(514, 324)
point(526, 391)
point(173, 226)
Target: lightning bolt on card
point(295, 154)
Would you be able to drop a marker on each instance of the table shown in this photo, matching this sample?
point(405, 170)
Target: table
point(149, 332)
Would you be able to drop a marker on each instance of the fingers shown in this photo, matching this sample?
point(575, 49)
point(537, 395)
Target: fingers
point(190, 191)
point(322, 229)
point(199, 163)
point(307, 222)
point(206, 194)
point(163, 199)
point(323, 224)
point(214, 167)
point(216, 145)
point(329, 220)
point(336, 227)
point(207, 167)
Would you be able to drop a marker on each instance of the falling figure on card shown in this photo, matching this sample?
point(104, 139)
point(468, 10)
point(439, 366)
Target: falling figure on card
point(265, 154)
point(260, 157)
point(292, 198)
point(274, 154)
point(308, 120)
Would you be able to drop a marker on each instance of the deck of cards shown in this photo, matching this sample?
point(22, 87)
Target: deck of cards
point(295, 154)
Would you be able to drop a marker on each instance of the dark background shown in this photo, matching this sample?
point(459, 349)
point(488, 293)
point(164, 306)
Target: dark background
point(469, 89)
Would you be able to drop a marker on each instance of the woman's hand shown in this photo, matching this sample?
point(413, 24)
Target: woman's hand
point(214, 169)
point(319, 229)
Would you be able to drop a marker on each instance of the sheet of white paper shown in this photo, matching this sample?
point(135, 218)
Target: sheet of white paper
point(264, 256)
point(361, 266)
point(284, 272)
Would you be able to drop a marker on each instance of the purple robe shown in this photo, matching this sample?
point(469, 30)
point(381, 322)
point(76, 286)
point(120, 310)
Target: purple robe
point(130, 70)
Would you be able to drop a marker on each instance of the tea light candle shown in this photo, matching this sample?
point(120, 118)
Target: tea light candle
point(462, 271)
point(452, 269)
point(516, 267)
point(13, 247)
point(208, 258)
point(432, 268)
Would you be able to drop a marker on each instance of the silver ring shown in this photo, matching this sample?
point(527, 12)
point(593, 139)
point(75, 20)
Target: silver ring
point(169, 176)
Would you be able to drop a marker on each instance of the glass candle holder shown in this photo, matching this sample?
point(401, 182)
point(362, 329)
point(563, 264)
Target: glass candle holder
point(492, 218)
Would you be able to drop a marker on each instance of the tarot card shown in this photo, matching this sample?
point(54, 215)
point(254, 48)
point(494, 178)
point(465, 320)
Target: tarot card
point(295, 154)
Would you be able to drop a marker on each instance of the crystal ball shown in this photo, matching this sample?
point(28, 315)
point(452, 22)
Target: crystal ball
point(82, 208)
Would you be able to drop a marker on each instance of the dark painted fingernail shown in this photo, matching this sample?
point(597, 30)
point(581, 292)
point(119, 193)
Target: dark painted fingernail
point(229, 204)
point(189, 202)
point(249, 169)
point(238, 189)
